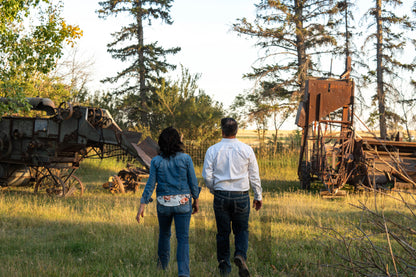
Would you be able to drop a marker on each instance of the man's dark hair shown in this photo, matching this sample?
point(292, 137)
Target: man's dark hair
point(229, 126)
point(170, 142)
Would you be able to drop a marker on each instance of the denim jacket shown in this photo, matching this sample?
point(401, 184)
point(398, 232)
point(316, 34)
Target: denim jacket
point(174, 175)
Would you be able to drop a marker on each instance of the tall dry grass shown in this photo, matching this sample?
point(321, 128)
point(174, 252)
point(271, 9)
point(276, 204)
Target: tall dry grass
point(97, 235)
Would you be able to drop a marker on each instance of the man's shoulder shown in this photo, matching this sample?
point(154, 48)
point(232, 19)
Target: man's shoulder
point(243, 145)
point(214, 146)
point(234, 143)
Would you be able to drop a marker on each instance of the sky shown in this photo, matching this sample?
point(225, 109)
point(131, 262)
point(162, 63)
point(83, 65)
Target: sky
point(201, 28)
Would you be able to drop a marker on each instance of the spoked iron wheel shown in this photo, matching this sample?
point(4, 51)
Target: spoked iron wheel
point(73, 186)
point(50, 184)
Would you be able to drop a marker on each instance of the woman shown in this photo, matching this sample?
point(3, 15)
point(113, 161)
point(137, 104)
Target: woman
point(174, 173)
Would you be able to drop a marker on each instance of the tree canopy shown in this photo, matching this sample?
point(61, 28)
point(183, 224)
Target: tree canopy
point(290, 33)
point(32, 36)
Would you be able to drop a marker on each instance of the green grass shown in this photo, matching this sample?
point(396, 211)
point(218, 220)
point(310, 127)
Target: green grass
point(97, 235)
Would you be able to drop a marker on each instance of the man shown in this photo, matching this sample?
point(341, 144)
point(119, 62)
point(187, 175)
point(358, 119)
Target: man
point(230, 167)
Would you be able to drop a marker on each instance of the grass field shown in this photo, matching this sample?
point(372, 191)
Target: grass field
point(251, 136)
point(97, 235)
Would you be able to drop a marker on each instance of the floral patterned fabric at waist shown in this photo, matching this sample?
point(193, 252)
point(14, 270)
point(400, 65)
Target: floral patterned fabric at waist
point(173, 200)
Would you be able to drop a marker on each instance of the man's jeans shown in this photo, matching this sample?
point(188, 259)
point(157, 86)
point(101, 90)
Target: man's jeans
point(182, 216)
point(232, 209)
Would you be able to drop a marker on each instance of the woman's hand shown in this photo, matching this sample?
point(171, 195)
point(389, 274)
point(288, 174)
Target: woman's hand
point(140, 213)
point(195, 206)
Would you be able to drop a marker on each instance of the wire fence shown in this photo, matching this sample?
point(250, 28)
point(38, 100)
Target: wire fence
point(271, 157)
point(265, 152)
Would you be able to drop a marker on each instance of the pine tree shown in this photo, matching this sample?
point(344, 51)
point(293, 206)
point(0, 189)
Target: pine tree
point(148, 64)
point(292, 34)
point(389, 39)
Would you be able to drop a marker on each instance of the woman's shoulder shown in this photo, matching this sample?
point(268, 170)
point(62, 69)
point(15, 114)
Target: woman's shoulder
point(157, 158)
point(182, 155)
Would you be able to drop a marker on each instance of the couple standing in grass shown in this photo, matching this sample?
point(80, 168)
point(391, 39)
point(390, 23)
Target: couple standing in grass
point(230, 167)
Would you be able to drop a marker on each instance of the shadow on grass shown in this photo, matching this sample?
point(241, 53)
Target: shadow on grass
point(40, 247)
point(276, 186)
point(18, 191)
point(93, 172)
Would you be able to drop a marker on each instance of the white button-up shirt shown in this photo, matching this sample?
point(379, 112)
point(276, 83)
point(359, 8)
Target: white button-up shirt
point(231, 165)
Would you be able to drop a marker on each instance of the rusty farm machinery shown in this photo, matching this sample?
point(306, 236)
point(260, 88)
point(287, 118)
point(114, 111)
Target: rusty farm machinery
point(333, 153)
point(127, 179)
point(44, 151)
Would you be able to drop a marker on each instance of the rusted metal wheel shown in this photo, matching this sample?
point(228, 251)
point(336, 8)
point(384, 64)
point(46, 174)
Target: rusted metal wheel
point(73, 186)
point(65, 111)
point(50, 184)
point(118, 184)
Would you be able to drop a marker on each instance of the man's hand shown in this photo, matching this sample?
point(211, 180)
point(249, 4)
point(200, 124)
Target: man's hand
point(257, 204)
point(140, 213)
point(195, 206)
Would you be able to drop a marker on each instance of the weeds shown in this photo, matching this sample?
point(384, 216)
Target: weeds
point(97, 235)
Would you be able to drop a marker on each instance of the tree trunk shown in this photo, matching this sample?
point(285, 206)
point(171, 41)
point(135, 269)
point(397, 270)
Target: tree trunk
point(300, 46)
point(381, 97)
point(142, 80)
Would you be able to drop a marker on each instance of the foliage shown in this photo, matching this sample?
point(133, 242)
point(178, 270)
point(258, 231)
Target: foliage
point(183, 105)
point(32, 34)
point(389, 37)
point(290, 33)
point(264, 104)
point(148, 60)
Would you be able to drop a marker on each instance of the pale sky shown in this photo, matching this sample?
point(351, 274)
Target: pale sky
point(200, 28)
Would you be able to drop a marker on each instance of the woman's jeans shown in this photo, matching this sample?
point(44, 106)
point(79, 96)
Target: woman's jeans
point(232, 209)
point(182, 216)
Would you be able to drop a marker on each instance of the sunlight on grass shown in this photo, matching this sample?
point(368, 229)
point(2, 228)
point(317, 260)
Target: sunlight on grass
point(97, 235)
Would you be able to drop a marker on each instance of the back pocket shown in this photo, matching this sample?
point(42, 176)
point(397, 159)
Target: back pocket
point(242, 206)
point(183, 209)
point(218, 204)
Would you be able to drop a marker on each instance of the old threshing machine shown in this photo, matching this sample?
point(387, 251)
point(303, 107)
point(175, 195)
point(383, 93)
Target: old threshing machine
point(45, 151)
point(333, 153)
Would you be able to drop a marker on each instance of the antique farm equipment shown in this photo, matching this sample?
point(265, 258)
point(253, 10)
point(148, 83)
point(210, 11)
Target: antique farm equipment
point(46, 150)
point(333, 153)
point(127, 179)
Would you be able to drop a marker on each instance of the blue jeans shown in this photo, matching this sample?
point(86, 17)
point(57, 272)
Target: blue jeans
point(182, 216)
point(232, 210)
